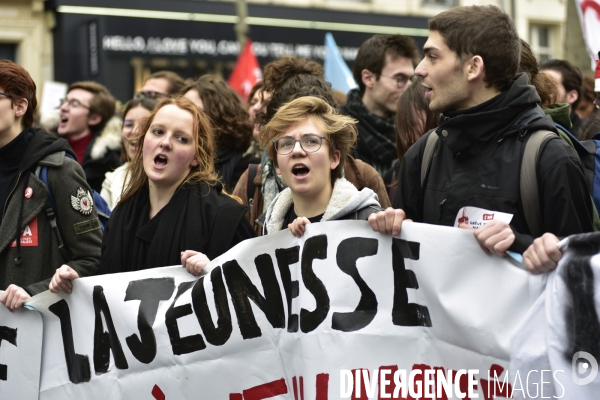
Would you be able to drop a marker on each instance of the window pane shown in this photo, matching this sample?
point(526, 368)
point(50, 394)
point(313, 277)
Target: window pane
point(543, 36)
point(8, 51)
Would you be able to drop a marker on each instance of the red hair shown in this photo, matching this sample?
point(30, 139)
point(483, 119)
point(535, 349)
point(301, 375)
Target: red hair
point(17, 82)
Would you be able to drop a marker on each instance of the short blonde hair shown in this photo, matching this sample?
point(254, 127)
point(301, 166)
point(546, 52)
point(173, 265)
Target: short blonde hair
point(340, 130)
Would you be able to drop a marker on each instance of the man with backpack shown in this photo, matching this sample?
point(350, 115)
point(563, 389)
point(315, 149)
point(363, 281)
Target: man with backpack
point(488, 116)
point(36, 236)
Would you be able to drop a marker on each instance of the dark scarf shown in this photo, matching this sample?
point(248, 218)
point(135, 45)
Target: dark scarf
point(377, 135)
point(227, 159)
point(197, 218)
point(11, 155)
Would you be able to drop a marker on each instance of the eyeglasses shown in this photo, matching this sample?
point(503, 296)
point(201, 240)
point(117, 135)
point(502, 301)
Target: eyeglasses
point(597, 101)
point(149, 95)
point(309, 143)
point(401, 79)
point(5, 94)
point(73, 103)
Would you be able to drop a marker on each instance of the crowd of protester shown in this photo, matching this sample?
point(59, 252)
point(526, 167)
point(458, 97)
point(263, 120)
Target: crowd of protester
point(190, 169)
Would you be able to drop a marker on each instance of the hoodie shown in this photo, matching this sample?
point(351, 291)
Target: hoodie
point(345, 200)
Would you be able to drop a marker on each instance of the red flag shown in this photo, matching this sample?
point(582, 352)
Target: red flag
point(246, 72)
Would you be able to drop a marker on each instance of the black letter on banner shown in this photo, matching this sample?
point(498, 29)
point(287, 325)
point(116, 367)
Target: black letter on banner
point(217, 336)
point(314, 248)
point(10, 335)
point(104, 342)
point(77, 364)
point(348, 252)
point(150, 292)
point(285, 258)
point(242, 289)
point(187, 344)
point(403, 312)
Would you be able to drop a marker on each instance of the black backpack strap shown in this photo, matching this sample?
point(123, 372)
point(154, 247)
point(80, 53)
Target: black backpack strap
point(432, 140)
point(530, 196)
point(42, 173)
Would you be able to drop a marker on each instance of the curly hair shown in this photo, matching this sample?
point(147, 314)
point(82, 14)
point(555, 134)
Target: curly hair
point(277, 72)
point(203, 140)
point(224, 107)
point(340, 130)
point(544, 84)
point(294, 87)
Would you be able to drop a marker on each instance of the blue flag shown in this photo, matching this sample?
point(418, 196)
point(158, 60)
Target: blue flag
point(336, 70)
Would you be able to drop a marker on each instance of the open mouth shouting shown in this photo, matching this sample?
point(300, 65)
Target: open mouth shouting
point(300, 170)
point(63, 121)
point(160, 161)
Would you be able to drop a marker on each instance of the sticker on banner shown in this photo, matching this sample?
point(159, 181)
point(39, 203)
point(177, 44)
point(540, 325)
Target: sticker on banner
point(84, 202)
point(29, 235)
point(477, 217)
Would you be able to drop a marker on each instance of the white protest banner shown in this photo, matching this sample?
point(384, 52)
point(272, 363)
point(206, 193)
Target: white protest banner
point(287, 318)
point(560, 335)
point(20, 353)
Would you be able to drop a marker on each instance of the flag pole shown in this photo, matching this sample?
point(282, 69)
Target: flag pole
point(241, 27)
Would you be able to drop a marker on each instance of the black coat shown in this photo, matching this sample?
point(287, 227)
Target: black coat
point(96, 168)
point(198, 217)
point(478, 161)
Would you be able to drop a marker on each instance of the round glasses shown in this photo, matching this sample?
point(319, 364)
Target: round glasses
point(309, 143)
point(73, 103)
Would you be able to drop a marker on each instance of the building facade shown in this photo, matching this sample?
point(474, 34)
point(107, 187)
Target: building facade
point(120, 42)
point(26, 37)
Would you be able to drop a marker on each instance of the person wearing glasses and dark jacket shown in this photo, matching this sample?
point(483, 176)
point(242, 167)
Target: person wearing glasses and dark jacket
point(309, 143)
point(30, 248)
point(382, 70)
point(87, 122)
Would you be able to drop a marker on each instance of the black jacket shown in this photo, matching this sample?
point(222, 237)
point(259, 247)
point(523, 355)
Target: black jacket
point(477, 163)
point(97, 165)
point(198, 217)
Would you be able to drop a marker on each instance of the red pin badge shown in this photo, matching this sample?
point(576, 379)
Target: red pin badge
point(28, 193)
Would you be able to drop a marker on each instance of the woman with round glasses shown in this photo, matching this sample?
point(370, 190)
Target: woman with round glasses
point(309, 143)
